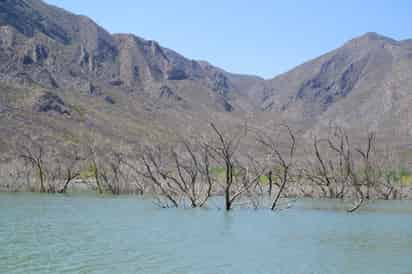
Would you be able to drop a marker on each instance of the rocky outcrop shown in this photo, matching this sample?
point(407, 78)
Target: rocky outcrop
point(335, 80)
point(167, 93)
point(109, 99)
point(27, 17)
point(50, 102)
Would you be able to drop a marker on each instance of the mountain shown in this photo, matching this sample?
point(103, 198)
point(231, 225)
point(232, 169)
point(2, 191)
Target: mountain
point(365, 84)
point(63, 78)
point(48, 46)
point(68, 77)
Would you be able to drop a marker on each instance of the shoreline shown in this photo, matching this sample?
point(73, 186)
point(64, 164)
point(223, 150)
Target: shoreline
point(292, 191)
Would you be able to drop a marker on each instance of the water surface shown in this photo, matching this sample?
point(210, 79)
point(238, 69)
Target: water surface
point(87, 234)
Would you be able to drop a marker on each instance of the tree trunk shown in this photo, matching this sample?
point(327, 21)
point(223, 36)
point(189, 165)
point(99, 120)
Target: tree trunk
point(360, 202)
point(41, 177)
point(270, 183)
point(96, 177)
point(229, 176)
point(282, 186)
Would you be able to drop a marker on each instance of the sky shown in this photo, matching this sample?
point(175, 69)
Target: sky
point(261, 37)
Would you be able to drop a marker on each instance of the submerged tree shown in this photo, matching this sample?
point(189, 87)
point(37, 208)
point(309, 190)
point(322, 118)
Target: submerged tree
point(368, 176)
point(281, 156)
point(34, 154)
point(94, 160)
point(341, 168)
point(179, 172)
point(192, 172)
point(330, 168)
point(70, 168)
point(224, 149)
point(238, 179)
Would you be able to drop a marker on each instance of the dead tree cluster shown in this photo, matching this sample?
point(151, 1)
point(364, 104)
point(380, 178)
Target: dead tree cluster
point(344, 169)
point(190, 171)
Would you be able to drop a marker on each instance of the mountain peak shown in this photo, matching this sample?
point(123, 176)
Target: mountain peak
point(371, 37)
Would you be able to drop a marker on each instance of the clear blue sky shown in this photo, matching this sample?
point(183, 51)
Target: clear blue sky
point(263, 37)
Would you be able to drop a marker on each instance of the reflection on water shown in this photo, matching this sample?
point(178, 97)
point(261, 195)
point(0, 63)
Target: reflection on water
point(58, 234)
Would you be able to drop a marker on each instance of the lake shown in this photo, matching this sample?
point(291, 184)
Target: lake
point(88, 234)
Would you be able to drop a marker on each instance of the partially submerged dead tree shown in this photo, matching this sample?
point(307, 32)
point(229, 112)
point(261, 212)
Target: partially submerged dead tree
point(224, 151)
point(247, 181)
point(34, 154)
point(118, 176)
point(392, 175)
point(71, 167)
point(282, 157)
point(94, 160)
point(339, 169)
point(331, 168)
point(369, 168)
point(192, 175)
point(180, 173)
point(15, 175)
point(153, 167)
point(366, 177)
point(111, 173)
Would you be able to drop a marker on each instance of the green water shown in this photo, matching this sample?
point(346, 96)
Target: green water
point(86, 234)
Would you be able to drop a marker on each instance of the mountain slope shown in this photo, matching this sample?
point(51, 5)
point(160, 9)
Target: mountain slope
point(63, 78)
point(364, 84)
point(48, 46)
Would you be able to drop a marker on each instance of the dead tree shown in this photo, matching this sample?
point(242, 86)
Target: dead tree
point(283, 161)
point(198, 183)
point(330, 169)
point(72, 160)
point(14, 174)
point(368, 165)
point(94, 161)
point(154, 169)
point(34, 154)
point(364, 178)
point(206, 176)
point(224, 150)
point(247, 180)
point(134, 176)
point(391, 180)
point(180, 172)
point(191, 173)
point(116, 174)
point(344, 167)
point(111, 172)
